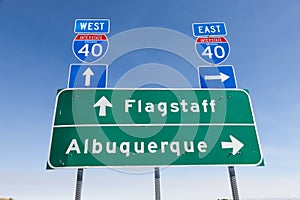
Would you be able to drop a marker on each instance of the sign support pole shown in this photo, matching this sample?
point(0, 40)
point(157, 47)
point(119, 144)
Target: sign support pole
point(157, 183)
point(232, 177)
point(79, 184)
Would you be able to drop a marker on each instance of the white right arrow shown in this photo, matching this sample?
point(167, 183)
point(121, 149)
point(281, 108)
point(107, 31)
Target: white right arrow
point(102, 103)
point(88, 73)
point(234, 144)
point(223, 77)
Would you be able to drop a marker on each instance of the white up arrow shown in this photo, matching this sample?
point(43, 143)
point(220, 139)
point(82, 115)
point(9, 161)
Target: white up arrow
point(88, 73)
point(102, 103)
point(223, 77)
point(234, 144)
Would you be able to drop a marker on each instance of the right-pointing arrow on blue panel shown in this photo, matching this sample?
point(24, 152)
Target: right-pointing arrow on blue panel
point(217, 77)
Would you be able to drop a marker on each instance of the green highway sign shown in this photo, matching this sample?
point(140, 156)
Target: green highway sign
point(152, 106)
point(153, 127)
point(154, 146)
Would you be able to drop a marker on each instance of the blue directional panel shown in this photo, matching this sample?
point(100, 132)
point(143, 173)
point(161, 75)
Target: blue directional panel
point(92, 26)
point(217, 77)
point(87, 76)
point(209, 29)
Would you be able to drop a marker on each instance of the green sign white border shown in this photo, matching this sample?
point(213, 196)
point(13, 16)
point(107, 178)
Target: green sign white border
point(132, 125)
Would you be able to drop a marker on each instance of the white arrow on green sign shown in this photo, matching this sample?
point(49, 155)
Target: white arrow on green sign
point(102, 104)
point(153, 127)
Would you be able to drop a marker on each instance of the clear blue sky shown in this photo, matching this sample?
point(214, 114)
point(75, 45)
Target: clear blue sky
point(35, 52)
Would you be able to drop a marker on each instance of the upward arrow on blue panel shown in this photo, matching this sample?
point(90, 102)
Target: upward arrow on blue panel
point(87, 75)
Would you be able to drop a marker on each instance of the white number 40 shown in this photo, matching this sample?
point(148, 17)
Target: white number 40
point(96, 50)
point(219, 54)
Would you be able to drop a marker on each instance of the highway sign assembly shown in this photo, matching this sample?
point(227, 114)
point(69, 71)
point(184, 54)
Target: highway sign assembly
point(95, 126)
point(87, 75)
point(217, 77)
point(153, 127)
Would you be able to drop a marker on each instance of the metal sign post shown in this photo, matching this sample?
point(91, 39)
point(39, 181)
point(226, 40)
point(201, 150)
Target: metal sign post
point(157, 183)
point(234, 189)
point(79, 184)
